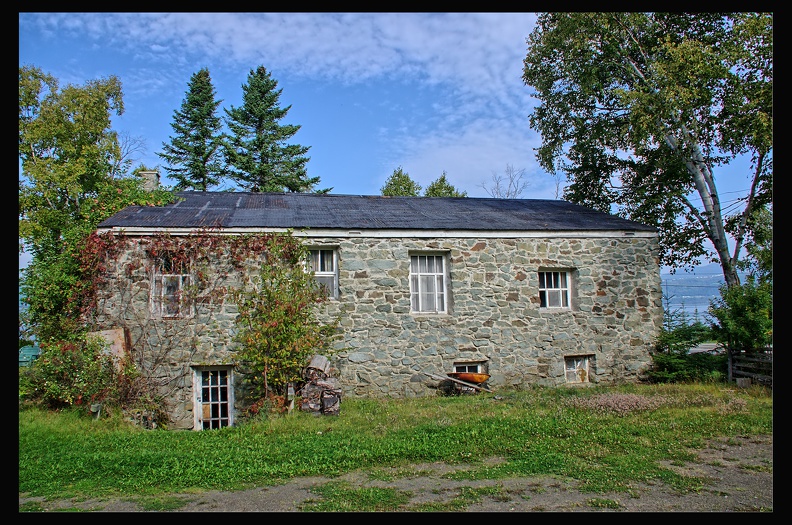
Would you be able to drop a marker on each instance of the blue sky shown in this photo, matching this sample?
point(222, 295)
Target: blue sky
point(427, 92)
point(371, 91)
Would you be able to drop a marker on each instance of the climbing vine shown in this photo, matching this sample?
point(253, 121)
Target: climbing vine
point(278, 329)
point(263, 275)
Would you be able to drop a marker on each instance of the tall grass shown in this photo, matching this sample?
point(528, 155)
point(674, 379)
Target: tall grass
point(604, 437)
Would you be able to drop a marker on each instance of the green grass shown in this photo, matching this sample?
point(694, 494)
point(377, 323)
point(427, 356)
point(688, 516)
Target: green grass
point(607, 438)
point(340, 497)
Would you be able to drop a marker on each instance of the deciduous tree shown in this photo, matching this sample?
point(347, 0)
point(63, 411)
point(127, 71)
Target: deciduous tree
point(642, 110)
point(69, 157)
point(510, 185)
point(742, 317)
point(66, 148)
point(759, 246)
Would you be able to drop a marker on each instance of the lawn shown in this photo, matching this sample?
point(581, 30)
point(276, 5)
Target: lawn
point(604, 437)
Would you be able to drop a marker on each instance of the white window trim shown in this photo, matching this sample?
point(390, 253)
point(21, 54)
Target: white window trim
point(333, 274)
point(198, 405)
point(418, 283)
point(475, 367)
point(158, 293)
point(557, 295)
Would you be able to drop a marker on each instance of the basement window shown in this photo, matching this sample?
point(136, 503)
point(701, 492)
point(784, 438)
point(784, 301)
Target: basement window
point(577, 368)
point(475, 368)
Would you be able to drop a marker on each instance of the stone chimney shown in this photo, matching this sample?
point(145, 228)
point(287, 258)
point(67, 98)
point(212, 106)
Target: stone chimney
point(151, 178)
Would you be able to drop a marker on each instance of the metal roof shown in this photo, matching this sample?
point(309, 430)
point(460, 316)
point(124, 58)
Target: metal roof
point(28, 354)
point(196, 210)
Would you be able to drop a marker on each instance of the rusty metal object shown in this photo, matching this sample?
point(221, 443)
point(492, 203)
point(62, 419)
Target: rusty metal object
point(470, 377)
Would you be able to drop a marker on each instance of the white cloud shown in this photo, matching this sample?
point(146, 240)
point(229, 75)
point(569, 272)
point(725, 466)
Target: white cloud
point(452, 79)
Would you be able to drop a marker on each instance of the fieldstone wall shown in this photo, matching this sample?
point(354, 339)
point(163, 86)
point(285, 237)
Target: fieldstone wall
point(494, 313)
point(170, 351)
point(385, 350)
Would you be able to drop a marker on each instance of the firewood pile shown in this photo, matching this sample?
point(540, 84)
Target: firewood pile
point(321, 393)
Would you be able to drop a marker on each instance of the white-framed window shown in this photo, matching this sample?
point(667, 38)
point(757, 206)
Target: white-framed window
point(170, 281)
point(214, 397)
point(323, 262)
point(428, 283)
point(475, 368)
point(577, 368)
point(554, 289)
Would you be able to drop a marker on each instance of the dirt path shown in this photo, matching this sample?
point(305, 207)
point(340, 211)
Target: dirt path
point(740, 471)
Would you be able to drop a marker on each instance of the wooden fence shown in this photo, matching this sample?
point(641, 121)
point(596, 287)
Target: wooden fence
point(751, 367)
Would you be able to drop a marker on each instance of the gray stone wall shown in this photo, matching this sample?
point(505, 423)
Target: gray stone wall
point(385, 350)
point(494, 313)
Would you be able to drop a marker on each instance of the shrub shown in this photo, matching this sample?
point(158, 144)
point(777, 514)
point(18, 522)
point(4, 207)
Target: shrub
point(677, 367)
point(680, 338)
point(673, 363)
point(743, 316)
point(278, 327)
point(78, 374)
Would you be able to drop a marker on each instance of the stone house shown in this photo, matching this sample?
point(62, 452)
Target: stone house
point(531, 292)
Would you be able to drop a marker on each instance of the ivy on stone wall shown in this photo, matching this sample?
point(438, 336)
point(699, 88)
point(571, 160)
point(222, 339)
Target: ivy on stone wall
point(262, 275)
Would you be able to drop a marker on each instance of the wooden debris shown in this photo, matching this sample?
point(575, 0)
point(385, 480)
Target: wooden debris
point(320, 394)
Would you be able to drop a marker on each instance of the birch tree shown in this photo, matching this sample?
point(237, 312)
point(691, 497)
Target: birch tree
point(642, 111)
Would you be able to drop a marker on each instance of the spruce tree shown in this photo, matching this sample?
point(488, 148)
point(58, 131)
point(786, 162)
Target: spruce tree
point(257, 152)
point(442, 188)
point(399, 184)
point(194, 155)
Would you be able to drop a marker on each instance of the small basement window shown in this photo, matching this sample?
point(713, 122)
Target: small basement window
point(577, 368)
point(475, 368)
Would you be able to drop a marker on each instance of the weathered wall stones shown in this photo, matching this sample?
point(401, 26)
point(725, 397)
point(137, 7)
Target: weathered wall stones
point(494, 316)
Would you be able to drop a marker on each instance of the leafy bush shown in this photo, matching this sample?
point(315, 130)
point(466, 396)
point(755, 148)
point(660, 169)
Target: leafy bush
point(278, 328)
point(743, 316)
point(78, 374)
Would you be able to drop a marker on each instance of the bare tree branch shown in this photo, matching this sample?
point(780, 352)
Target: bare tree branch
point(510, 185)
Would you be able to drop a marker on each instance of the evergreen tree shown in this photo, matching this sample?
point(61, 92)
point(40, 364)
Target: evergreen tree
point(399, 184)
point(257, 152)
point(441, 188)
point(194, 155)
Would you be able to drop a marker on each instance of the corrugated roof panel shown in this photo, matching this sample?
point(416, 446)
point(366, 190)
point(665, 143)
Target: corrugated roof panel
point(310, 210)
